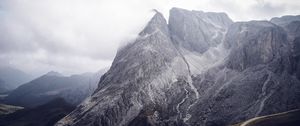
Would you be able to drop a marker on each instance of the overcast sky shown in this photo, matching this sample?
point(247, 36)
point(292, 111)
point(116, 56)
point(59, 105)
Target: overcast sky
point(75, 36)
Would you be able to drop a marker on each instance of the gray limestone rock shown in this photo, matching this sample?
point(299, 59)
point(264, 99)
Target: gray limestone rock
point(197, 30)
point(198, 69)
point(284, 20)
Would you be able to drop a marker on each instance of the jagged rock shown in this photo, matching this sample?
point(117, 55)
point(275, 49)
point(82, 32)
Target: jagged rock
point(197, 30)
point(134, 81)
point(200, 69)
point(252, 81)
point(255, 42)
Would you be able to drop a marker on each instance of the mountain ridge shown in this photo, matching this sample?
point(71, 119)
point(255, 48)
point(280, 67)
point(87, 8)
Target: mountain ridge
point(73, 89)
point(194, 72)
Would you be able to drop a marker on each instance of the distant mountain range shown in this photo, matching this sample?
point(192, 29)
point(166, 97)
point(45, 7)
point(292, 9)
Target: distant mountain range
point(198, 69)
point(11, 78)
point(74, 89)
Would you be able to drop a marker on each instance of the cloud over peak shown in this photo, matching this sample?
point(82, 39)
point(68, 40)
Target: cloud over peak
point(73, 36)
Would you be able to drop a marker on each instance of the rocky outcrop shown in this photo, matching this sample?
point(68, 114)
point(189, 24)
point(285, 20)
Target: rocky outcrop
point(254, 80)
point(198, 69)
point(255, 42)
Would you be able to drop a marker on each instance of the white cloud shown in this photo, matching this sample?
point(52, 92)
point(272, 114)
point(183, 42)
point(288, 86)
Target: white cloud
point(74, 36)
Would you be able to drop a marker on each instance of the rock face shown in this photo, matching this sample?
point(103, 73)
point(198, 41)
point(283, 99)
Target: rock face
point(196, 30)
point(291, 24)
point(198, 69)
point(284, 20)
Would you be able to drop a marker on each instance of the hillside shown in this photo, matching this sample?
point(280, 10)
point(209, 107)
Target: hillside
point(43, 115)
point(74, 89)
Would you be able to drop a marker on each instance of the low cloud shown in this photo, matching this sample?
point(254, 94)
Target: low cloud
point(266, 9)
point(74, 36)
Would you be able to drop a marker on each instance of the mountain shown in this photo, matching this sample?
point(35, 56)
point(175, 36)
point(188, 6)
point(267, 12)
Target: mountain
point(4, 87)
point(53, 73)
point(11, 78)
point(200, 68)
point(291, 25)
point(52, 85)
point(43, 115)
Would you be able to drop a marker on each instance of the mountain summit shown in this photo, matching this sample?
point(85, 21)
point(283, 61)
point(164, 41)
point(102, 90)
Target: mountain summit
point(53, 73)
point(200, 68)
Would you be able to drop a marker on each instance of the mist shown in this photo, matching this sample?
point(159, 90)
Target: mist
point(76, 36)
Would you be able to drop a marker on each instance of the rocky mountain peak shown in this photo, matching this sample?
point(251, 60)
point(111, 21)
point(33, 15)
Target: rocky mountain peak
point(218, 18)
point(197, 30)
point(180, 74)
point(157, 23)
point(53, 73)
